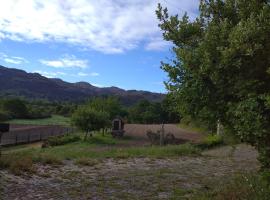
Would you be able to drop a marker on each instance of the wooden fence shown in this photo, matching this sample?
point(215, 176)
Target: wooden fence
point(28, 134)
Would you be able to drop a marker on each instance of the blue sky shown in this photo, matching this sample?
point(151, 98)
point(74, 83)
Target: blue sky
point(105, 42)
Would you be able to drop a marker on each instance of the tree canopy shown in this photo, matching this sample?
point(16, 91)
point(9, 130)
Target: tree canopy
point(88, 119)
point(221, 69)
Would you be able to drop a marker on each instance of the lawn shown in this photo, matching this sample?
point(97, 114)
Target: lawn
point(54, 120)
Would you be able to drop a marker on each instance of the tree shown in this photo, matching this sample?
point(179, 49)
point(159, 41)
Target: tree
point(111, 105)
point(16, 108)
point(88, 119)
point(221, 67)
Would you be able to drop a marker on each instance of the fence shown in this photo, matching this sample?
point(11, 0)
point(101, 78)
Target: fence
point(28, 134)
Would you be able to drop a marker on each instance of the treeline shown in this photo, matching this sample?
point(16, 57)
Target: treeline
point(144, 112)
point(16, 108)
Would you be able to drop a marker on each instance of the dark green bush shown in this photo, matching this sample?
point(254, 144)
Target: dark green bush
point(211, 141)
point(61, 140)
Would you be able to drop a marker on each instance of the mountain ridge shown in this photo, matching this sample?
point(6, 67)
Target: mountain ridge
point(17, 82)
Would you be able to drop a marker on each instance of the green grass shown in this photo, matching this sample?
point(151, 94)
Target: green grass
point(193, 128)
point(241, 187)
point(54, 120)
point(97, 147)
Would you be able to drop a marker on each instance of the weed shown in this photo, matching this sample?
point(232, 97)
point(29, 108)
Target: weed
point(86, 162)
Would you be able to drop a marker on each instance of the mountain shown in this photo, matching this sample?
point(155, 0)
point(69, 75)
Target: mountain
point(15, 82)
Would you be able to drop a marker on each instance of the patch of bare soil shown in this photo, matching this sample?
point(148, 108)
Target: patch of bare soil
point(140, 130)
point(136, 178)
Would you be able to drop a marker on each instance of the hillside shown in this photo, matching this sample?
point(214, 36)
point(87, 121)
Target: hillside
point(14, 82)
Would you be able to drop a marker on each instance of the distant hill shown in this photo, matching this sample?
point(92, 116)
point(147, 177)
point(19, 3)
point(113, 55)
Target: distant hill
point(15, 82)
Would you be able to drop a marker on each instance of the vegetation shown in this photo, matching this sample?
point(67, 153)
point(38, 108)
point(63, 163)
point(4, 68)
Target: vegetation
point(242, 187)
point(88, 119)
point(146, 112)
point(53, 120)
point(61, 140)
point(211, 141)
point(221, 67)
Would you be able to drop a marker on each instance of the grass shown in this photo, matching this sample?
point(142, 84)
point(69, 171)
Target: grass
point(241, 187)
point(54, 120)
point(84, 152)
point(193, 128)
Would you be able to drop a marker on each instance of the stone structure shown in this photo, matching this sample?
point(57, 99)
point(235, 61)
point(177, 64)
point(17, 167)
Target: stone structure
point(117, 127)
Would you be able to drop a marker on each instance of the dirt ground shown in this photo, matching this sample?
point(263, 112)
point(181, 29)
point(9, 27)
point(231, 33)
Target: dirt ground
point(133, 178)
point(140, 130)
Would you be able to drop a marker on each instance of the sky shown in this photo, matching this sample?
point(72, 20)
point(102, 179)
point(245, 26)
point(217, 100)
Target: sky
point(103, 42)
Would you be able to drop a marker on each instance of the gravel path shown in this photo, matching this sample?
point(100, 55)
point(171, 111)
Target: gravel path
point(137, 178)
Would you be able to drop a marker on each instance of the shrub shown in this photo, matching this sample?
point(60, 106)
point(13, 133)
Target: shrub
point(211, 141)
point(61, 140)
point(24, 164)
point(49, 160)
point(86, 162)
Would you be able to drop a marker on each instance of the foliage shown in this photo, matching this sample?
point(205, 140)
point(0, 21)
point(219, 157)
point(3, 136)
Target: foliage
point(88, 119)
point(4, 116)
point(145, 112)
point(17, 164)
point(211, 141)
point(242, 187)
point(221, 67)
point(61, 140)
point(15, 108)
point(53, 120)
point(111, 105)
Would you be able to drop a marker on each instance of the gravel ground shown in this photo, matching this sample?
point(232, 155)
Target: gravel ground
point(136, 178)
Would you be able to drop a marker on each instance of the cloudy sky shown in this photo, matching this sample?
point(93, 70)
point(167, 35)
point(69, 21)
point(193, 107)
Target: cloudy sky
point(103, 42)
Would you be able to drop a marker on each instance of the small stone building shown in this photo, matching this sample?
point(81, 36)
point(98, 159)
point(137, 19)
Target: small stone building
point(117, 127)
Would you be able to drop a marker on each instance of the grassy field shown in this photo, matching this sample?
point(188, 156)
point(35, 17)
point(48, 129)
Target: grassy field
point(97, 147)
point(54, 120)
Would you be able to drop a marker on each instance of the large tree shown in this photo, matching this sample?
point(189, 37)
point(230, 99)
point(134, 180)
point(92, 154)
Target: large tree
point(221, 67)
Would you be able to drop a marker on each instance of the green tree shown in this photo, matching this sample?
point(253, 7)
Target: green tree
point(88, 119)
point(15, 108)
point(221, 67)
point(111, 105)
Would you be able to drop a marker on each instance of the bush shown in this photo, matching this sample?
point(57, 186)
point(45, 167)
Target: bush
point(4, 116)
point(211, 141)
point(86, 162)
point(61, 140)
point(49, 160)
point(24, 164)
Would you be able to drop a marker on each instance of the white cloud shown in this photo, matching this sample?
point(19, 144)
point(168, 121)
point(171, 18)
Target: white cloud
point(12, 59)
point(50, 74)
point(82, 74)
point(66, 62)
point(85, 74)
point(157, 44)
point(107, 26)
point(94, 74)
